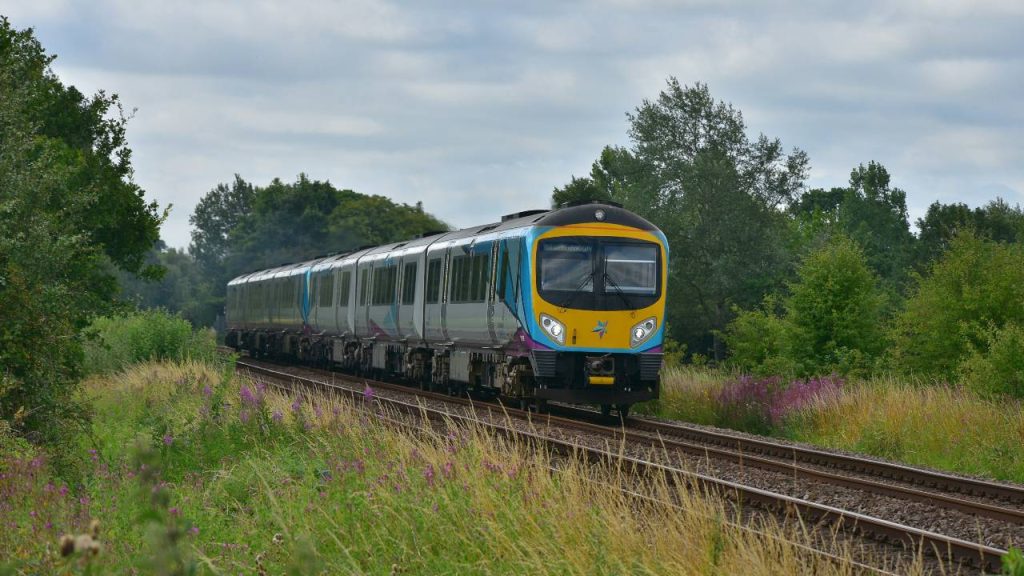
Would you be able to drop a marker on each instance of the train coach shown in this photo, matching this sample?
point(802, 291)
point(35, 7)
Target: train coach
point(565, 304)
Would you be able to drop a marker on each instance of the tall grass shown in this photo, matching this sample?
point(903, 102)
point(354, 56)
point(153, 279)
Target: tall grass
point(191, 468)
point(919, 423)
point(120, 341)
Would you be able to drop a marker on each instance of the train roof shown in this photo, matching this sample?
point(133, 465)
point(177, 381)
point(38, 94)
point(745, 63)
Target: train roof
point(577, 213)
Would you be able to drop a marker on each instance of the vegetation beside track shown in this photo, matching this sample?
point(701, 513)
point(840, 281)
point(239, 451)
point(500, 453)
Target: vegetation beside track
point(188, 467)
point(945, 427)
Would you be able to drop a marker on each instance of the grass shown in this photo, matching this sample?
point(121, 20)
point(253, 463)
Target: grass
point(188, 469)
point(914, 422)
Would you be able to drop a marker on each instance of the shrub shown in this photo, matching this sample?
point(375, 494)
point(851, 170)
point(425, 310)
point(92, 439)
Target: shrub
point(998, 369)
point(831, 320)
point(757, 340)
point(976, 286)
point(119, 341)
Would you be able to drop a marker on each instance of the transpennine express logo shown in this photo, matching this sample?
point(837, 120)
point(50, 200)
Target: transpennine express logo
point(601, 328)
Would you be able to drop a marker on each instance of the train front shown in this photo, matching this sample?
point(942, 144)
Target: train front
point(596, 306)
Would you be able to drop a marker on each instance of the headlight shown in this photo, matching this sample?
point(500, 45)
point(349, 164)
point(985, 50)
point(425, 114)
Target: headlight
point(553, 327)
point(641, 332)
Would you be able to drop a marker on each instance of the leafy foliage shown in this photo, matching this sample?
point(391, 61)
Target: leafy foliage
point(715, 193)
point(242, 227)
point(870, 212)
point(127, 339)
point(68, 211)
point(999, 369)
point(977, 286)
point(831, 322)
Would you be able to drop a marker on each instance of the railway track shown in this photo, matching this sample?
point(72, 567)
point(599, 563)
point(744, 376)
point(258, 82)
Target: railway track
point(870, 476)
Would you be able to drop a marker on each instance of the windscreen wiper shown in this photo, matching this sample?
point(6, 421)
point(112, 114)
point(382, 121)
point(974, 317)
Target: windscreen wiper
point(577, 290)
point(618, 290)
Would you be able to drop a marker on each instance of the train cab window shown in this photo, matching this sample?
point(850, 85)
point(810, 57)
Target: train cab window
point(632, 268)
point(409, 283)
point(567, 265)
point(344, 289)
point(433, 281)
point(326, 288)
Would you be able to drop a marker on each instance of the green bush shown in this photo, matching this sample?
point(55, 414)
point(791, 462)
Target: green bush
point(120, 341)
point(757, 341)
point(1000, 368)
point(977, 285)
point(831, 320)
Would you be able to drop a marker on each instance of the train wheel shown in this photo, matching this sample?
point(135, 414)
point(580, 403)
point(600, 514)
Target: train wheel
point(606, 410)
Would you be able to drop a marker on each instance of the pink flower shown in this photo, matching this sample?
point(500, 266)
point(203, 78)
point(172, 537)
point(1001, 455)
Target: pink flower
point(168, 439)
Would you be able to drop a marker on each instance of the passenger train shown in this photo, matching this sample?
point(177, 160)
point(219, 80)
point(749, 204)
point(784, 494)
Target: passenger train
point(565, 304)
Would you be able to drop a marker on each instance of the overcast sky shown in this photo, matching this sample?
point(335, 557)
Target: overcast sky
point(480, 108)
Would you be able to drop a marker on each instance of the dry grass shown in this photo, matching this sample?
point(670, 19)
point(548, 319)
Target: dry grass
point(322, 486)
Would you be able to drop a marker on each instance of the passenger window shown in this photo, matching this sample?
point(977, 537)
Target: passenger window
point(326, 290)
point(409, 283)
point(345, 288)
point(433, 281)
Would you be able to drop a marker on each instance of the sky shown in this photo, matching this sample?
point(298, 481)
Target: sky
point(481, 108)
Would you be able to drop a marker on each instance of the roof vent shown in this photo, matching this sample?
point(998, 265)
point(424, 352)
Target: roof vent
point(429, 233)
point(522, 214)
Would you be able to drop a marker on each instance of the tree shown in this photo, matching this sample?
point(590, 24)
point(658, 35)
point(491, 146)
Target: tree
point(870, 212)
point(578, 190)
point(69, 211)
point(242, 227)
point(976, 287)
point(831, 320)
point(996, 221)
point(716, 194)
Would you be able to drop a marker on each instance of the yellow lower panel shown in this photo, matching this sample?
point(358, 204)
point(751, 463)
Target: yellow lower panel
point(602, 380)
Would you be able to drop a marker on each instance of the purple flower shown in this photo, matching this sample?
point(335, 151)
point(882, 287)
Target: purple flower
point(297, 404)
point(447, 470)
point(168, 439)
point(428, 474)
point(207, 391)
point(248, 397)
point(368, 393)
point(277, 416)
point(194, 530)
point(174, 511)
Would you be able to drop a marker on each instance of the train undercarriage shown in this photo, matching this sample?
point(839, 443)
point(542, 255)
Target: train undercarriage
point(611, 381)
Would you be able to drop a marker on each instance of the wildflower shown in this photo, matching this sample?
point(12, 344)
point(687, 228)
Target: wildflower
point(168, 439)
point(174, 511)
point(278, 538)
point(194, 530)
point(247, 396)
point(243, 416)
point(207, 391)
point(63, 490)
point(368, 393)
point(428, 474)
point(297, 404)
point(447, 471)
point(277, 416)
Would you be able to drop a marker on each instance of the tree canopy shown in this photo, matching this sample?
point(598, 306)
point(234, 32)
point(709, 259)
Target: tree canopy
point(241, 227)
point(69, 213)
